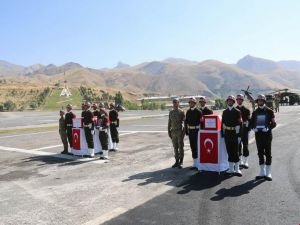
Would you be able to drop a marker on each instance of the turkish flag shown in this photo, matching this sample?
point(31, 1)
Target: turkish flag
point(76, 138)
point(209, 148)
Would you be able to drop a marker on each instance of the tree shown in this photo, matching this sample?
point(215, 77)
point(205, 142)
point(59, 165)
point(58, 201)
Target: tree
point(9, 105)
point(220, 103)
point(119, 100)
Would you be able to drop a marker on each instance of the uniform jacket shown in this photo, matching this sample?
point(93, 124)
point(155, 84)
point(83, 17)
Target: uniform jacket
point(69, 118)
point(176, 120)
point(114, 117)
point(206, 111)
point(192, 118)
point(231, 118)
point(270, 117)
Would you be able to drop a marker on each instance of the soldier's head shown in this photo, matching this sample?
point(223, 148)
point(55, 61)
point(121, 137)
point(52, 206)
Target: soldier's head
point(239, 99)
point(69, 107)
point(230, 100)
point(175, 103)
point(111, 105)
point(261, 100)
point(82, 106)
point(61, 113)
point(101, 105)
point(192, 102)
point(94, 106)
point(86, 105)
point(202, 101)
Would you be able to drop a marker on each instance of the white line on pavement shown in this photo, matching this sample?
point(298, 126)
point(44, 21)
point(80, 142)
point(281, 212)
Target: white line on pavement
point(18, 135)
point(48, 147)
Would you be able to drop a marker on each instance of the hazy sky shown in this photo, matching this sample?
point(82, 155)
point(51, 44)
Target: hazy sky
point(98, 33)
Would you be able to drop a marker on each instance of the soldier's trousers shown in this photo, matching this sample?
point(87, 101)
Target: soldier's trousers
point(177, 140)
point(231, 142)
point(103, 137)
point(64, 139)
point(69, 135)
point(114, 133)
point(263, 143)
point(89, 137)
point(243, 145)
point(193, 137)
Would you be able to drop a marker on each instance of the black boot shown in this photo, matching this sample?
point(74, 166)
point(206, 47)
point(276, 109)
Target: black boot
point(181, 160)
point(176, 164)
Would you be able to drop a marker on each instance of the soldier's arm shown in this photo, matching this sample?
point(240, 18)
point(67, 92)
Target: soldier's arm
point(272, 122)
point(169, 127)
point(118, 121)
point(222, 129)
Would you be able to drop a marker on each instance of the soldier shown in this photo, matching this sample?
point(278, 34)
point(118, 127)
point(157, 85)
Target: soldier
point(277, 101)
point(192, 126)
point(204, 109)
point(88, 128)
point(62, 132)
point(176, 132)
point(262, 122)
point(103, 131)
point(114, 124)
point(243, 145)
point(69, 123)
point(231, 122)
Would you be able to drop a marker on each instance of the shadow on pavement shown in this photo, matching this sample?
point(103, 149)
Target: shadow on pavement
point(236, 191)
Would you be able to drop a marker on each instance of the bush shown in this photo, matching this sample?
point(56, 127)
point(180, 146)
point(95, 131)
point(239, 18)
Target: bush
point(9, 105)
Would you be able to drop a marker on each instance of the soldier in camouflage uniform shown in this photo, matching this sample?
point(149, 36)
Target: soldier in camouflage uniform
point(62, 132)
point(176, 132)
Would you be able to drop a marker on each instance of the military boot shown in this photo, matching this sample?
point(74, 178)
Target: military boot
point(176, 164)
point(262, 172)
point(268, 173)
point(181, 160)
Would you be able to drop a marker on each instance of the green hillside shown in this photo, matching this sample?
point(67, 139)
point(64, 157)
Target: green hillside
point(55, 101)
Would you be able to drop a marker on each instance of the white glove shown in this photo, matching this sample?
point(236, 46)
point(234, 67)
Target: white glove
point(92, 132)
point(255, 130)
point(237, 129)
point(90, 126)
point(100, 128)
point(246, 123)
point(239, 140)
point(265, 129)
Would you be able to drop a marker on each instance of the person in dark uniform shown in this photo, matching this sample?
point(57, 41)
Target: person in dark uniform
point(95, 110)
point(262, 122)
point(192, 126)
point(114, 124)
point(245, 128)
point(87, 116)
point(69, 123)
point(103, 131)
point(62, 132)
point(231, 123)
point(204, 109)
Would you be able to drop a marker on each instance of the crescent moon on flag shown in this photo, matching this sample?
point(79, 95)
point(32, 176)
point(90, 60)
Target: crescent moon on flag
point(208, 140)
point(75, 137)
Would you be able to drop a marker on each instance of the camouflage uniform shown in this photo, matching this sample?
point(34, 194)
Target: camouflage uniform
point(176, 132)
point(63, 134)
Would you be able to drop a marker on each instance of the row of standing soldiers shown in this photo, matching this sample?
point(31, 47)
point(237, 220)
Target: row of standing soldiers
point(106, 122)
point(237, 122)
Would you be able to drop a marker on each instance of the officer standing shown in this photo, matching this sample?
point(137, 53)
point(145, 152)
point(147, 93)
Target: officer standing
point(88, 128)
point(192, 126)
point(69, 123)
point(243, 145)
point(262, 122)
point(204, 109)
point(103, 123)
point(114, 125)
point(176, 132)
point(62, 132)
point(231, 122)
point(277, 101)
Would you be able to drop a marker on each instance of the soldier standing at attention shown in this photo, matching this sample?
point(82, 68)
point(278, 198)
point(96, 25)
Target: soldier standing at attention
point(88, 128)
point(192, 126)
point(69, 123)
point(245, 128)
point(262, 122)
point(176, 132)
point(114, 124)
point(204, 109)
point(62, 132)
point(231, 122)
point(103, 123)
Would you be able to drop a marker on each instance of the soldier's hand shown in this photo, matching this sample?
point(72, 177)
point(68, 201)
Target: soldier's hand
point(255, 130)
point(92, 132)
point(265, 129)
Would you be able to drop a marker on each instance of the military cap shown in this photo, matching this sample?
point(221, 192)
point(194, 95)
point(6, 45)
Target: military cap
point(202, 99)
point(112, 104)
point(101, 105)
point(231, 97)
point(69, 106)
point(192, 99)
point(240, 96)
point(261, 97)
point(175, 99)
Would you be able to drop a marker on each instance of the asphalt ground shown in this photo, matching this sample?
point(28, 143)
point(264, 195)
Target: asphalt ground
point(137, 186)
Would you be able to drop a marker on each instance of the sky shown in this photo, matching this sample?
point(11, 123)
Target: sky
point(99, 33)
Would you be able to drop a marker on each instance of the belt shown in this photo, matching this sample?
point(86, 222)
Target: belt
point(193, 127)
point(245, 122)
point(86, 125)
point(228, 128)
point(113, 122)
point(69, 125)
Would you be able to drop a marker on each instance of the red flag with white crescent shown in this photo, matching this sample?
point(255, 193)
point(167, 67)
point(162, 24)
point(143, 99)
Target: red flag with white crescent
point(76, 139)
point(209, 148)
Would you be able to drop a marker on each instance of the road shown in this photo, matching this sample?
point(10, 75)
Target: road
point(137, 185)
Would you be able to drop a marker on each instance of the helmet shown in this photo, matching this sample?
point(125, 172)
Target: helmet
point(101, 105)
point(112, 105)
point(94, 105)
point(192, 99)
point(175, 100)
point(69, 106)
point(261, 97)
point(240, 96)
point(202, 99)
point(231, 97)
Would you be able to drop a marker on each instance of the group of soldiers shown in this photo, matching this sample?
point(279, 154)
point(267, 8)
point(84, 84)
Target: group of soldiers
point(96, 119)
point(237, 122)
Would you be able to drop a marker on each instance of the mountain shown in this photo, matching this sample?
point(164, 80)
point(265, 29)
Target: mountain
point(52, 69)
point(179, 61)
point(7, 68)
point(290, 65)
point(121, 65)
point(257, 65)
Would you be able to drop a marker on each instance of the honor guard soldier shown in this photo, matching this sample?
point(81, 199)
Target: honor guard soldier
point(176, 132)
point(69, 123)
point(62, 132)
point(103, 123)
point(231, 123)
point(95, 110)
point(88, 128)
point(262, 122)
point(114, 125)
point(192, 126)
point(204, 109)
point(245, 128)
